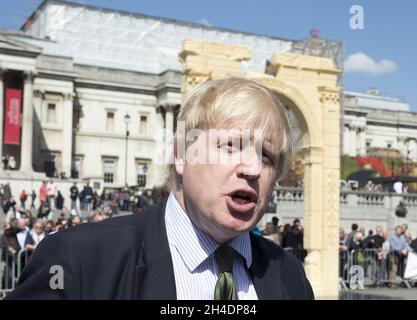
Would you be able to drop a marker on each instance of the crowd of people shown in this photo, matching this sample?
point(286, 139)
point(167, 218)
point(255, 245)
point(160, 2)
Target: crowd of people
point(25, 226)
point(51, 200)
point(290, 237)
point(382, 254)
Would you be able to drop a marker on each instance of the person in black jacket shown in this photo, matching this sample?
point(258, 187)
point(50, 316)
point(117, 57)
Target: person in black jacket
point(59, 201)
point(9, 247)
point(194, 244)
point(74, 196)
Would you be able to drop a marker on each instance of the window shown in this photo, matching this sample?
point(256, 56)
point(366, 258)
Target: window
point(142, 169)
point(49, 164)
point(110, 121)
point(143, 125)
point(76, 167)
point(368, 143)
point(51, 114)
point(109, 168)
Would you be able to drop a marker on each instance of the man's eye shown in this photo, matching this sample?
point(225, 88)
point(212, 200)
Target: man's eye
point(266, 158)
point(230, 147)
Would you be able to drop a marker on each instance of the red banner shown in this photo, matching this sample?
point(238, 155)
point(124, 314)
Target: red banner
point(12, 116)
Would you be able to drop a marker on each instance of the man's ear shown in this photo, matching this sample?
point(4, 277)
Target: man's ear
point(179, 161)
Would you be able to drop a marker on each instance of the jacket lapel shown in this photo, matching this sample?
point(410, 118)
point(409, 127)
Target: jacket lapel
point(266, 273)
point(154, 272)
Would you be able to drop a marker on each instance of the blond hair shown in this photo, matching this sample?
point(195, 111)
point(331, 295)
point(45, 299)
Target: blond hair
point(237, 100)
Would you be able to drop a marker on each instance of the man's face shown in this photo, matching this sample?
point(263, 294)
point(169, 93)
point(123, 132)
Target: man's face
point(38, 228)
point(227, 198)
point(398, 231)
point(76, 220)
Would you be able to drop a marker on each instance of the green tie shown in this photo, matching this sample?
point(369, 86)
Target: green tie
point(225, 286)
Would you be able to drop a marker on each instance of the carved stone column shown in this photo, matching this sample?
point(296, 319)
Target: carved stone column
point(27, 124)
point(67, 134)
point(169, 116)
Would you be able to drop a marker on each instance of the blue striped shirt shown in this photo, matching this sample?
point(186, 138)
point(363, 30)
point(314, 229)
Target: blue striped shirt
point(195, 267)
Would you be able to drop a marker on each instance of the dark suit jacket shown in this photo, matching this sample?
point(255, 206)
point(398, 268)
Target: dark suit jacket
point(129, 258)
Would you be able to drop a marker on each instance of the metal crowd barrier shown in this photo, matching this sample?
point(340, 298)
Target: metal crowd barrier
point(11, 266)
point(363, 268)
point(372, 268)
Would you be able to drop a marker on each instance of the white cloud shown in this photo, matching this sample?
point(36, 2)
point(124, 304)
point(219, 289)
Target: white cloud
point(361, 63)
point(205, 22)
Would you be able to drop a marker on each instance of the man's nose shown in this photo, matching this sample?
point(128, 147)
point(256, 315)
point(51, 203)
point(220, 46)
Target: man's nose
point(250, 165)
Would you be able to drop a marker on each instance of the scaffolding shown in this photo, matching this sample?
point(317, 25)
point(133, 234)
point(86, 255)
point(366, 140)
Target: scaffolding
point(318, 47)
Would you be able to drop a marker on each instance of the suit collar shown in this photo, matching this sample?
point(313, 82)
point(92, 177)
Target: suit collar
point(265, 271)
point(154, 271)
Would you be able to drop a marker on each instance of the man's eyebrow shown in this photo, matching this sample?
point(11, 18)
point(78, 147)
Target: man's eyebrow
point(270, 149)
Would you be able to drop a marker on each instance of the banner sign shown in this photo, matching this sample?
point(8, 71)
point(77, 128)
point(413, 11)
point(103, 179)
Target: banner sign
point(12, 116)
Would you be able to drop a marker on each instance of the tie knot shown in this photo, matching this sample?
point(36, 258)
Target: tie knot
point(225, 256)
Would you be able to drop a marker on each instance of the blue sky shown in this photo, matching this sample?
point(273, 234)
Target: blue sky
point(382, 55)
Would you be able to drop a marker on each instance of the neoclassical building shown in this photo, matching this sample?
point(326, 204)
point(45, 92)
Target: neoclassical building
point(374, 125)
point(82, 72)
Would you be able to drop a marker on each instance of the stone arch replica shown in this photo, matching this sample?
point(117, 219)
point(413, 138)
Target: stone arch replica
point(308, 86)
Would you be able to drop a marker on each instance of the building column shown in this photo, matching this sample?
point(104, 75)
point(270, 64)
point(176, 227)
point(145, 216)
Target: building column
point(38, 97)
point(412, 148)
point(346, 140)
point(362, 142)
point(169, 117)
point(67, 134)
point(1, 112)
point(27, 124)
point(352, 141)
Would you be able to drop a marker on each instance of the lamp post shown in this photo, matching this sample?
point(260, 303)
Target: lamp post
point(127, 120)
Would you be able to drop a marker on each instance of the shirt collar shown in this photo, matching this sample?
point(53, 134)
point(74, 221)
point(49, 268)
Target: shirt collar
point(193, 245)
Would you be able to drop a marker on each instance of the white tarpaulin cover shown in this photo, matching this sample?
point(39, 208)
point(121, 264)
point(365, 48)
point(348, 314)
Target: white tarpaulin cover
point(113, 39)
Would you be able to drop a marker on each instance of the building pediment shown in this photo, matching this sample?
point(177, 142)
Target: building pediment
point(16, 47)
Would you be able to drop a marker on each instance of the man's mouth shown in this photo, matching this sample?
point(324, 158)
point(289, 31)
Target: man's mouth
point(244, 197)
point(242, 201)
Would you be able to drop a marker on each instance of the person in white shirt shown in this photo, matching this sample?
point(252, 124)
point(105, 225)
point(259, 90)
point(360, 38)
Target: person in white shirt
point(38, 233)
point(398, 187)
point(12, 163)
point(51, 191)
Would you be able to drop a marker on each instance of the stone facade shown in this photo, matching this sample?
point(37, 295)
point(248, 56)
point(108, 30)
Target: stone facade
point(81, 76)
point(374, 123)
